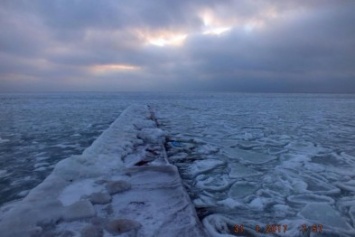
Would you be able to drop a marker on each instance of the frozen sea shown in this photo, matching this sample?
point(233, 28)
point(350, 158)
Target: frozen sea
point(249, 162)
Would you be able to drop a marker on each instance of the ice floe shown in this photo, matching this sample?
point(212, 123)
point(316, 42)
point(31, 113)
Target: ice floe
point(215, 183)
point(242, 189)
point(239, 171)
point(309, 198)
point(249, 157)
point(326, 215)
point(348, 186)
point(201, 166)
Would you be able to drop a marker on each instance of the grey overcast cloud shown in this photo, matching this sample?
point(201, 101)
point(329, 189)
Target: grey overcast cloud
point(140, 45)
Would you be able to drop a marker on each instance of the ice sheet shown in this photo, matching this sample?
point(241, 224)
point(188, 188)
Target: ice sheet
point(279, 158)
point(201, 166)
point(325, 214)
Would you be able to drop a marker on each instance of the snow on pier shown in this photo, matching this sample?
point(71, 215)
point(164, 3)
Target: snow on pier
point(121, 185)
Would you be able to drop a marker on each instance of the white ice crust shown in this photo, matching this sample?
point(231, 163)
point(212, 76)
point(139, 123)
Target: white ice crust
point(248, 169)
point(144, 200)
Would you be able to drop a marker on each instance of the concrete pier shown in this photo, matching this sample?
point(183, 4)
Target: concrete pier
point(122, 185)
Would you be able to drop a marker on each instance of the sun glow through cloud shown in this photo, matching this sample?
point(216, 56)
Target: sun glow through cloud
point(161, 37)
point(173, 40)
point(111, 68)
point(216, 23)
point(212, 25)
point(216, 31)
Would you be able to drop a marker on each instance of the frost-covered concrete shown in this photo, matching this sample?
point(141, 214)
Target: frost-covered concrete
point(121, 185)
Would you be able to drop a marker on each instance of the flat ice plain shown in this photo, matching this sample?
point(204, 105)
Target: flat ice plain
point(247, 159)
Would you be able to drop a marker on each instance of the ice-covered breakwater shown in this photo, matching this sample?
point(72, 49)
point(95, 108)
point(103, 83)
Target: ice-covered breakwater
point(121, 185)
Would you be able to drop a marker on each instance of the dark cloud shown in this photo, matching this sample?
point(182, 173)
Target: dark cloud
point(314, 52)
point(272, 46)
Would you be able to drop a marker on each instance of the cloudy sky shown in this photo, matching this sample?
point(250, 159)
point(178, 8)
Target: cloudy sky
point(141, 45)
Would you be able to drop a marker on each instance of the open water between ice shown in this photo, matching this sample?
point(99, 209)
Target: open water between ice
point(246, 159)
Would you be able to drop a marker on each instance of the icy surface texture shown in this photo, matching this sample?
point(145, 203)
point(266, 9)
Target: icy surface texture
point(266, 159)
point(121, 185)
point(296, 149)
point(38, 130)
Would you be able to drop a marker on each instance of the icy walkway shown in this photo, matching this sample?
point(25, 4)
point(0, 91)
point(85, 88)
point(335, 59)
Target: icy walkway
point(121, 185)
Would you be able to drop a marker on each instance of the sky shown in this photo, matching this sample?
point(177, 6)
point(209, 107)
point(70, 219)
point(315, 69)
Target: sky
point(201, 45)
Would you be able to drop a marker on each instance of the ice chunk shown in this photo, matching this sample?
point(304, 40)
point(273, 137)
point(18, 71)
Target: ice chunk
point(204, 201)
point(249, 156)
point(238, 171)
point(309, 198)
point(345, 203)
point(77, 190)
point(318, 186)
point(201, 166)
point(349, 186)
point(304, 147)
point(294, 161)
point(231, 203)
point(276, 140)
point(207, 149)
point(215, 183)
point(323, 213)
point(329, 160)
point(281, 210)
point(257, 204)
point(100, 198)
point(78, 210)
point(152, 135)
point(72, 168)
point(242, 189)
point(299, 185)
point(280, 207)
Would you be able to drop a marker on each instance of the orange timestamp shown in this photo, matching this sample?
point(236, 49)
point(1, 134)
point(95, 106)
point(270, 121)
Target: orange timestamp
point(312, 228)
point(277, 228)
point(272, 228)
